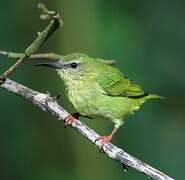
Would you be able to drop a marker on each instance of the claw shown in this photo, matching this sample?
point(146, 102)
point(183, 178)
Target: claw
point(103, 140)
point(70, 119)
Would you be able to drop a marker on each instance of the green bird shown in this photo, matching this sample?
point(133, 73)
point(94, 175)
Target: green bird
point(98, 90)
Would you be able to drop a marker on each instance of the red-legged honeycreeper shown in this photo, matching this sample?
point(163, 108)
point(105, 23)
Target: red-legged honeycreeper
point(98, 90)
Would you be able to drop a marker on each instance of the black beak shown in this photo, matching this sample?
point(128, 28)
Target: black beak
point(53, 65)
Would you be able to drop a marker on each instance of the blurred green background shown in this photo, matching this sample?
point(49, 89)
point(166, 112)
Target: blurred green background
point(147, 40)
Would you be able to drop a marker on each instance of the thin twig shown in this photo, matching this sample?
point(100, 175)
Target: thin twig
point(49, 104)
point(54, 24)
point(49, 56)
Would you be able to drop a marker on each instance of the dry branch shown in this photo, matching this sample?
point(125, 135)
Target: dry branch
point(49, 104)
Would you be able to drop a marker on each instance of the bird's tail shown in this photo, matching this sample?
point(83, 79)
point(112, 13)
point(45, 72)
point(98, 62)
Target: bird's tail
point(148, 97)
point(154, 96)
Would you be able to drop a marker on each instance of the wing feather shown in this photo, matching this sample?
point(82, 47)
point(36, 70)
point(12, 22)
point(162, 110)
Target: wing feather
point(114, 83)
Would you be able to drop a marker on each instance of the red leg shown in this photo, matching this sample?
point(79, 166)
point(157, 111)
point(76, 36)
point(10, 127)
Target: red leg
point(70, 119)
point(106, 139)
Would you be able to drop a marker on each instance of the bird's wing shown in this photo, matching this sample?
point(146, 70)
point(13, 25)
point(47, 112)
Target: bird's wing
point(115, 84)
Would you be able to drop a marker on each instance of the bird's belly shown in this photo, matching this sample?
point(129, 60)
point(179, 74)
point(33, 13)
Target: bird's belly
point(99, 106)
point(83, 101)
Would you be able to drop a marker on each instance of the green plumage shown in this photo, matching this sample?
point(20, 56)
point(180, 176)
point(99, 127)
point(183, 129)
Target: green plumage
point(99, 90)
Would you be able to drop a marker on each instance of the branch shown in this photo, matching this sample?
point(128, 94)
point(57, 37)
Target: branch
point(54, 24)
point(49, 104)
point(49, 56)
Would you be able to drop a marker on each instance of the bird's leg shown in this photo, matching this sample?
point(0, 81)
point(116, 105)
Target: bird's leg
point(70, 119)
point(106, 139)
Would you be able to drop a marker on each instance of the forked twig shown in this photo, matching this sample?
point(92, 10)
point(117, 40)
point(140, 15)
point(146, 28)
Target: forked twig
point(54, 24)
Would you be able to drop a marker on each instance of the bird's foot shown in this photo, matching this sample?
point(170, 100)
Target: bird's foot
point(70, 119)
point(103, 140)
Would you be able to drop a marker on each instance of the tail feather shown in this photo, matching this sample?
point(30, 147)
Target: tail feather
point(155, 96)
point(148, 97)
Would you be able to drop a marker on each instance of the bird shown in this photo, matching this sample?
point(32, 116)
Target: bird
point(99, 90)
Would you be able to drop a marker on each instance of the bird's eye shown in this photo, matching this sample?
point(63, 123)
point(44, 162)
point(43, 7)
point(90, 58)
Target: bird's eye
point(74, 65)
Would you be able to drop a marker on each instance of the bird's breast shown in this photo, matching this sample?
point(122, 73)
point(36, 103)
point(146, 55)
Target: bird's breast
point(83, 96)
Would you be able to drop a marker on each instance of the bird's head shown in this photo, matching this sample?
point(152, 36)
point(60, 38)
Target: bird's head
point(73, 66)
